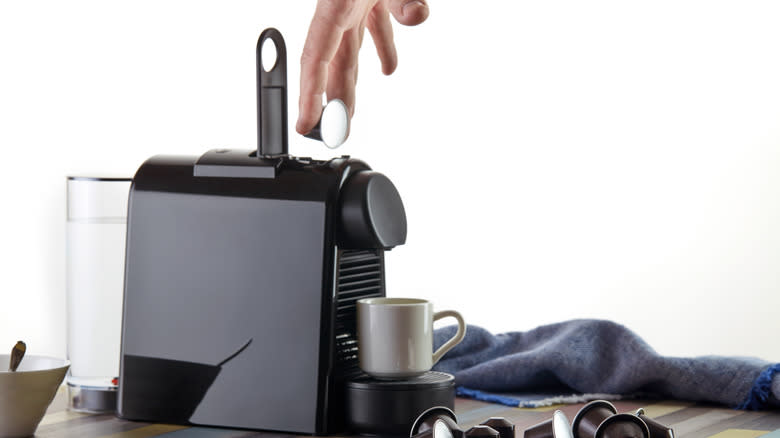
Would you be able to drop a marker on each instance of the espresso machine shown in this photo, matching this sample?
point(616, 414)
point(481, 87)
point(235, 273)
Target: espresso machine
point(242, 272)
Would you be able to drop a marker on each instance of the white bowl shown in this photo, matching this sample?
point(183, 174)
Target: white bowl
point(26, 393)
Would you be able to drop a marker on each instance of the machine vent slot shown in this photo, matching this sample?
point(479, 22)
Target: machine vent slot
point(360, 274)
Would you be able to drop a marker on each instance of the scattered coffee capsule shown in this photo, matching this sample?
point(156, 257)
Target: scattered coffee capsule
point(590, 417)
point(560, 425)
point(556, 427)
point(439, 429)
point(623, 426)
point(657, 430)
point(481, 431)
point(333, 126)
point(504, 427)
point(436, 422)
point(599, 419)
point(541, 430)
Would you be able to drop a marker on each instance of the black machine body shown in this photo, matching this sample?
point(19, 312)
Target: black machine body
point(242, 273)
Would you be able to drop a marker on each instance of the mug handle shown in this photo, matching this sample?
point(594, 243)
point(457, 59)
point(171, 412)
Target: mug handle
point(455, 340)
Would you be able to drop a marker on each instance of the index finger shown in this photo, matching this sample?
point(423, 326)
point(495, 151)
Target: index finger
point(322, 42)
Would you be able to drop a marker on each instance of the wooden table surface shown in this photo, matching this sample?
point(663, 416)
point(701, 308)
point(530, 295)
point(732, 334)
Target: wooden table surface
point(689, 420)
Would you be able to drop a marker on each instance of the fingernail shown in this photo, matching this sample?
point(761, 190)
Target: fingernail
point(412, 3)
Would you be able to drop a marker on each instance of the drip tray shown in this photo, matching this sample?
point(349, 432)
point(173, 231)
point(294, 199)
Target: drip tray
point(388, 408)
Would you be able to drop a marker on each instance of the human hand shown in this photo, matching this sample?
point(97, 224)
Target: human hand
point(329, 63)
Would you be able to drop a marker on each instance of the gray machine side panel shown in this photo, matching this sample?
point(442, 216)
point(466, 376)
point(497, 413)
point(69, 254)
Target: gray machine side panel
point(206, 274)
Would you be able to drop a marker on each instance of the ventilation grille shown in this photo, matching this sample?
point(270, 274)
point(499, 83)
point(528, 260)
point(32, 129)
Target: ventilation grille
point(360, 275)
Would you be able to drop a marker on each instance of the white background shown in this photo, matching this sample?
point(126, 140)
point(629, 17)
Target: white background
point(557, 159)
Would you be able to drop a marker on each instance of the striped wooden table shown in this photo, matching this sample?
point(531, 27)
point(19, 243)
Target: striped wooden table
point(689, 420)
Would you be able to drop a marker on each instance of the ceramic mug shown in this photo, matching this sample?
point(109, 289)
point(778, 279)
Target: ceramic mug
point(395, 336)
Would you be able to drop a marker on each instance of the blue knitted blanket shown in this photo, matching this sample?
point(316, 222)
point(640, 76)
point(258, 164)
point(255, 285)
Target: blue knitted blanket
point(599, 357)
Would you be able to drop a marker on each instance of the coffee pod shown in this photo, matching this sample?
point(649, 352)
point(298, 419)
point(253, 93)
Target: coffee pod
point(435, 417)
point(556, 427)
point(561, 426)
point(541, 430)
point(333, 127)
point(482, 432)
point(657, 430)
point(441, 428)
point(590, 417)
point(623, 426)
point(504, 427)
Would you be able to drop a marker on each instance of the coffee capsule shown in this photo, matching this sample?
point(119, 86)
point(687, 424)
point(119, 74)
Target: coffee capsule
point(560, 425)
point(333, 127)
point(657, 430)
point(481, 431)
point(436, 422)
point(590, 417)
point(541, 430)
point(623, 426)
point(556, 427)
point(504, 427)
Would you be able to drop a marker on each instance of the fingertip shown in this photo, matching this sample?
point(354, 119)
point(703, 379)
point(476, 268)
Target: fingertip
point(300, 127)
point(304, 123)
point(389, 67)
point(413, 13)
point(309, 110)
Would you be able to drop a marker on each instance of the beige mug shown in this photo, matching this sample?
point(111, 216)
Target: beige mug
point(395, 336)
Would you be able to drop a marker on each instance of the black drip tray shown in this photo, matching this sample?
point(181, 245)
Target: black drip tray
point(389, 407)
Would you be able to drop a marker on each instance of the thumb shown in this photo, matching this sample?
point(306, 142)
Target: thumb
point(409, 12)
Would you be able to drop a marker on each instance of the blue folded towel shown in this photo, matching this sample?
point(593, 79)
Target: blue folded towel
point(595, 356)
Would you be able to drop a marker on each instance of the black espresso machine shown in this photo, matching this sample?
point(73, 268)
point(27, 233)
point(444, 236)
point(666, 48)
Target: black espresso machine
point(242, 272)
